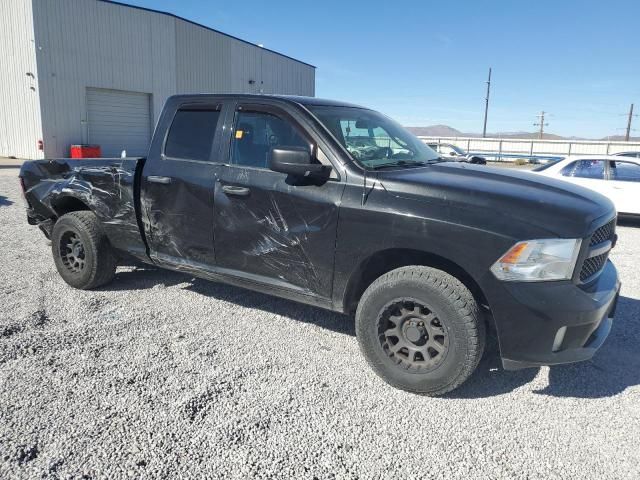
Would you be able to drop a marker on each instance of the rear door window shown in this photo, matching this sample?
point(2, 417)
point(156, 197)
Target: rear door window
point(191, 133)
point(624, 171)
point(585, 169)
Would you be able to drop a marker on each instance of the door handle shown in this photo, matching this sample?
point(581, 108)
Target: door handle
point(156, 179)
point(238, 191)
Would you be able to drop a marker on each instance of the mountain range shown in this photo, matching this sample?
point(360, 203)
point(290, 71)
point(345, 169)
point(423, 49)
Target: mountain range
point(447, 131)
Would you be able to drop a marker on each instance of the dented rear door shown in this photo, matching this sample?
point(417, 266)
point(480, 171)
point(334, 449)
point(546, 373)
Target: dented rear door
point(177, 186)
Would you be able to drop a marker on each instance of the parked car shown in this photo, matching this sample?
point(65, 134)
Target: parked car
point(265, 193)
point(453, 152)
point(613, 176)
point(627, 154)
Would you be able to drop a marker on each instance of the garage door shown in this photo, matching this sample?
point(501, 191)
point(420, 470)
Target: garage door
point(118, 120)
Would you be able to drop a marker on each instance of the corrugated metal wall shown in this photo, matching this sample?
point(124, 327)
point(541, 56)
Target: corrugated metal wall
point(208, 61)
point(84, 44)
point(88, 43)
point(19, 95)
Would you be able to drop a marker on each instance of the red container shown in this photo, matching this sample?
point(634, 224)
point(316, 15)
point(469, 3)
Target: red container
point(85, 151)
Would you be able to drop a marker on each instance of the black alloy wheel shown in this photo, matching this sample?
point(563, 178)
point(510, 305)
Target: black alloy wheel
point(411, 335)
point(72, 251)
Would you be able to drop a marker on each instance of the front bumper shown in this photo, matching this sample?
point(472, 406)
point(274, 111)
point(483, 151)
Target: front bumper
point(550, 323)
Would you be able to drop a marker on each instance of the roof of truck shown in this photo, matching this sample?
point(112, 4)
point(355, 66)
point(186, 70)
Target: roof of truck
point(307, 101)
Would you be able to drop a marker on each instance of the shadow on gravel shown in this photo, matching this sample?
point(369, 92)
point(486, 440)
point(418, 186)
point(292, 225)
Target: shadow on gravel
point(614, 368)
point(489, 379)
point(4, 201)
point(146, 277)
point(628, 221)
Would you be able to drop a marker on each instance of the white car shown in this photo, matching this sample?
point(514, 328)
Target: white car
point(613, 176)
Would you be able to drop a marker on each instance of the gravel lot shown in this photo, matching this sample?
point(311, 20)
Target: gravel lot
point(160, 375)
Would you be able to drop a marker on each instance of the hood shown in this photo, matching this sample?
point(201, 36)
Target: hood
point(501, 200)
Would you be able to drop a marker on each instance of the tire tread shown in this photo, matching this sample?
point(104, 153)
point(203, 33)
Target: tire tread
point(104, 266)
point(458, 295)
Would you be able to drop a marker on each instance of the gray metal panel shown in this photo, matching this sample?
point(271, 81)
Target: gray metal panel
point(119, 120)
point(87, 43)
point(20, 127)
point(84, 43)
point(207, 61)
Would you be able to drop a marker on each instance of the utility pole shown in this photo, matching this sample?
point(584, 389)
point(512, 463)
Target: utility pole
point(626, 137)
point(486, 106)
point(541, 123)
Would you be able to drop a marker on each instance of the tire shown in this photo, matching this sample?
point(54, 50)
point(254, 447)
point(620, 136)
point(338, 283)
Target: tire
point(81, 251)
point(420, 329)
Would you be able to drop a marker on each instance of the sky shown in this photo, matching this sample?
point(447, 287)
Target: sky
point(426, 62)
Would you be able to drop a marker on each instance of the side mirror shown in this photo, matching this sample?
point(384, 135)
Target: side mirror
point(296, 161)
point(453, 154)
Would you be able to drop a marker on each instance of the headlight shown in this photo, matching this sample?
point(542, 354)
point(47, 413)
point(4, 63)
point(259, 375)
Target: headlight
point(538, 260)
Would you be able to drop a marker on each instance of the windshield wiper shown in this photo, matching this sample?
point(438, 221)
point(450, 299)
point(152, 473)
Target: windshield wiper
point(400, 163)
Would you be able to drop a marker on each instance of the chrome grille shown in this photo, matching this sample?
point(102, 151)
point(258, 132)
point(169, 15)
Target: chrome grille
point(600, 244)
point(592, 265)
point(603, 233)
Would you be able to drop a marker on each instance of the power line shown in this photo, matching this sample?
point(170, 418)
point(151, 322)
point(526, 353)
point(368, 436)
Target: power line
point(541, 123)
point(628, 132)
point(486, 105)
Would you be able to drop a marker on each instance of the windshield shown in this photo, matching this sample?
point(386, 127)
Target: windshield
point(551, 163)
point(373, 140)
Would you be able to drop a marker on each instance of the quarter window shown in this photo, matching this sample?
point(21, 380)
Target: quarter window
point(256, 133)
point(191, 133)
point(624, 171)
point(584, 169)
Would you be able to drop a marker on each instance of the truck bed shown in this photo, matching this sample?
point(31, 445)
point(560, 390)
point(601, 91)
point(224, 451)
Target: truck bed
point(107, 186)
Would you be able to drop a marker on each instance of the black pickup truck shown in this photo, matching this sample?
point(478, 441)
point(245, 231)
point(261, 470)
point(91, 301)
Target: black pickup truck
point(338, 206)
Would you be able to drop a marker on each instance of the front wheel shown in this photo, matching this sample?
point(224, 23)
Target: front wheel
point(81, 251)
point(420, 329)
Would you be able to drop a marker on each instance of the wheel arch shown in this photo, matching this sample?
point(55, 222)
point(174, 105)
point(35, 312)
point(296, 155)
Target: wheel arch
point(68, 203)
point(384, 261)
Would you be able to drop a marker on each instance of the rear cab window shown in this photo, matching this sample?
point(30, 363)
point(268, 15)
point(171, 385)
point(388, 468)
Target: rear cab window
point(192, 132)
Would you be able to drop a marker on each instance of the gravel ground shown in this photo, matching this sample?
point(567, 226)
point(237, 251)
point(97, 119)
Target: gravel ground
point(160, 375)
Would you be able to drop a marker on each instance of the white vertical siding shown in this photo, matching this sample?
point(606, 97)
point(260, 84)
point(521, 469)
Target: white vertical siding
point(20, 127)
point(82, 44)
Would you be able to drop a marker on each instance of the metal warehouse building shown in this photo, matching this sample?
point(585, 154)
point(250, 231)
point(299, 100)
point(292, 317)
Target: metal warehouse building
point(98, 72)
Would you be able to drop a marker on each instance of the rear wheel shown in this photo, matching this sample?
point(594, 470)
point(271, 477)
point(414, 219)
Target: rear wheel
point(420, 330)
point(81, 251)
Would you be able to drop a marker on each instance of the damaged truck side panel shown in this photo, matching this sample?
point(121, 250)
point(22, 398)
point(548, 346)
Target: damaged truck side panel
point(337, 206)
point(107, 187)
